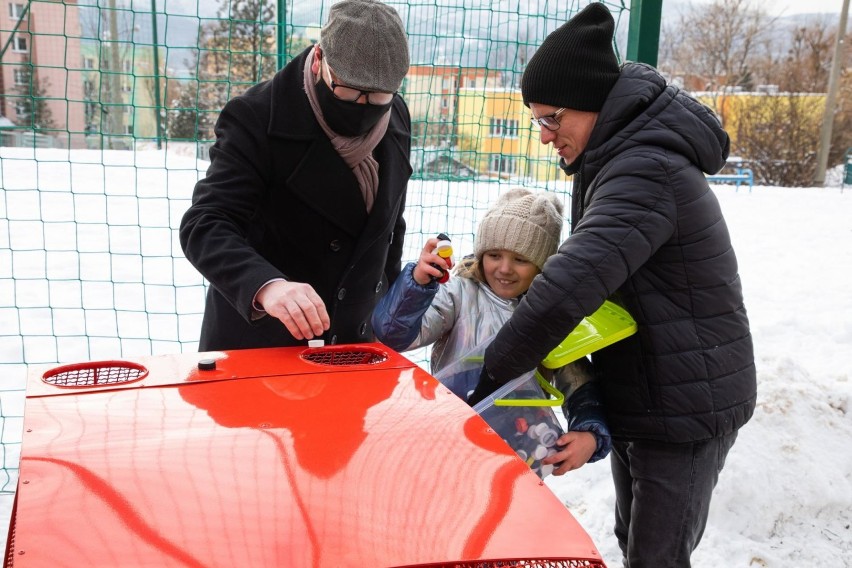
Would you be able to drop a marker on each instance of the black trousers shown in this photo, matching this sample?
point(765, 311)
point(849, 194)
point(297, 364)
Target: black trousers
point(662, 498)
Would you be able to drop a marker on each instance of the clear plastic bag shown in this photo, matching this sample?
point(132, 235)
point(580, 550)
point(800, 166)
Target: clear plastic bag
point(521, 411)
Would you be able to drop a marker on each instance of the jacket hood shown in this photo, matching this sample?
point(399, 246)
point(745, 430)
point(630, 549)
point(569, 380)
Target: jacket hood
point(642, 110)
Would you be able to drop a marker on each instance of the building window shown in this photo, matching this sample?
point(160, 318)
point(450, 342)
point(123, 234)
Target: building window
point(128, 129)
point(19, 44)
point(503, 127)
point(127, 65)
point(22, 77)
point(22, 109)
point(16, 11)
point(125, 87)
point(88, 63)
point(503, 164)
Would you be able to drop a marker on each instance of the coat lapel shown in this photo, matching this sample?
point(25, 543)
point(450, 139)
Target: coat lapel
point(321, 179)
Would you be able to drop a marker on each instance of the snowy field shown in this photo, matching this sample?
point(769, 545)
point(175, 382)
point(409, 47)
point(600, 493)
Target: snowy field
point(785, 495)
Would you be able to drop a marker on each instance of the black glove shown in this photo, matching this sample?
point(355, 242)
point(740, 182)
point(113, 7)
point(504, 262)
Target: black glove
point(484, 387)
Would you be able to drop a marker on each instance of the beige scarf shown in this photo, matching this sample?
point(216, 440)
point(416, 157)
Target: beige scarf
point(356, 151)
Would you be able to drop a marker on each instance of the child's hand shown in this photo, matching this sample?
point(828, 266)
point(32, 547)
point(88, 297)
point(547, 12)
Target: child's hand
point(575, 449)
point(424, 271)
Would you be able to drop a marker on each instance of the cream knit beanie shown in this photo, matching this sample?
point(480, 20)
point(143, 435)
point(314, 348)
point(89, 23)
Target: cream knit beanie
point(523, 222)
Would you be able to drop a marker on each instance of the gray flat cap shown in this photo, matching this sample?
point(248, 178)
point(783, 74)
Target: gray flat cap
point(365, 44)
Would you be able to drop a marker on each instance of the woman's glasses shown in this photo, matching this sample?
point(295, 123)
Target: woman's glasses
point(548, 121)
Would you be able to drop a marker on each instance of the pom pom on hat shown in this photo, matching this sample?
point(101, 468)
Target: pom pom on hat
point(523, 222)
point(365, 44)
point(575, 67)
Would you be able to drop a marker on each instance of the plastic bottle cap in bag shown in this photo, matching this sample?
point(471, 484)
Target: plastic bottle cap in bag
point(548, 437)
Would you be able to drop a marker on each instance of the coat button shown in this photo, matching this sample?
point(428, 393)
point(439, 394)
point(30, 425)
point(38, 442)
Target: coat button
point(363, 329)
point(334, 245)
point(378, 286)
point(341, 293)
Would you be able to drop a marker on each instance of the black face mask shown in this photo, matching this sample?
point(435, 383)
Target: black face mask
point(348, 118)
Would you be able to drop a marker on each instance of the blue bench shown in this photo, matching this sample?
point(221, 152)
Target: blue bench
point(741, 176)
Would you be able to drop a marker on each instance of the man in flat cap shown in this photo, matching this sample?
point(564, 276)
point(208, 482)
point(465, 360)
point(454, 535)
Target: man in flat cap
point(298, 224)
point(646, 232)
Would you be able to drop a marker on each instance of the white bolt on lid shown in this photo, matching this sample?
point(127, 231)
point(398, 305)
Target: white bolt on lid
point(316, 343)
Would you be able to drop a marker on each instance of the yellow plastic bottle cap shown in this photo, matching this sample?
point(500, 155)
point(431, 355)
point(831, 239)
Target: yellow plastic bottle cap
point(444, 249)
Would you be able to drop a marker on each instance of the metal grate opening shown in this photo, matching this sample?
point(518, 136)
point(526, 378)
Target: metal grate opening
point(520, 564)
point(9, 559)
point(95, 374)
point(344, 356)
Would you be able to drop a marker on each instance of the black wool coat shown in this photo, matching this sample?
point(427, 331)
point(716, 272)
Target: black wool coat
point(647, 232)
point(279, 202)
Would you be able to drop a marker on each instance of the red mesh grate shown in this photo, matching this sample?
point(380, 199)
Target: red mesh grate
point(95, 374)
point(344, 356)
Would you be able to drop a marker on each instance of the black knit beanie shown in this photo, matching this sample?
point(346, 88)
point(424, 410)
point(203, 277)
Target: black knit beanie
point(576, 66)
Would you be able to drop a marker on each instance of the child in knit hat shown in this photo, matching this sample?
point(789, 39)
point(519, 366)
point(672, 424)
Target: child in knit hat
point(514, 239)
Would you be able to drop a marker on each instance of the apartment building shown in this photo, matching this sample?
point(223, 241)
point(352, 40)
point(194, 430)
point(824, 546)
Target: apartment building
point(41, 87)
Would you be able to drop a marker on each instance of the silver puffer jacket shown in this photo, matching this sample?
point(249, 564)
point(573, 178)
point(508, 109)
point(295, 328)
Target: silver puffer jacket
point(454, 317)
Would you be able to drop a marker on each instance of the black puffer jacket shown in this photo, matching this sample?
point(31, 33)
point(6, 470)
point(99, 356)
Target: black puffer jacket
point(648, 232)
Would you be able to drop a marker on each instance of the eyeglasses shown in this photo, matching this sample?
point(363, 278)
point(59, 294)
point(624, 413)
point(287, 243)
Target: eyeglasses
point(548, 121)
point(351, 94)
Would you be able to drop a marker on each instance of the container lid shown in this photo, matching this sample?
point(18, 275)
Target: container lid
point(609, 324)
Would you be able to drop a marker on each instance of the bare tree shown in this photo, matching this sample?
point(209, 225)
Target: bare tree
point(37, 113)
point(236, 50)
point(778, 134)
point(182, 119)
point(808, 60)
point(715, 43)
point(726, 47)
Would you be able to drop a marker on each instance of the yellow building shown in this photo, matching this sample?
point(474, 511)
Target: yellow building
point(498, 139)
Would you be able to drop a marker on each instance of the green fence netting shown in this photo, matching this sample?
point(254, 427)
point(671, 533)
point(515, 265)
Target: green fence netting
point(106, 117)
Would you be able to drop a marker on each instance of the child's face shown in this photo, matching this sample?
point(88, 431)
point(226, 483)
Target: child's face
point(507, 273)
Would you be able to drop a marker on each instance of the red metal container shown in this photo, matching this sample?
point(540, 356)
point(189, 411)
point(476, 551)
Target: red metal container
point(342, 456)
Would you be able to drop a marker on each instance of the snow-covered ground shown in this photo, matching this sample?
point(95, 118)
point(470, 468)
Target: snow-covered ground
point(785, 495)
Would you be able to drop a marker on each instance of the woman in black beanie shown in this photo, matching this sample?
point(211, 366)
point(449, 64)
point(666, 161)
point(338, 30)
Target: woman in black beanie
point(646, 232)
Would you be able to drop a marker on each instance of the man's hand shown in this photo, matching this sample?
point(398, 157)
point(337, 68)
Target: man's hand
point(574, 450)
point(297, 305)
point(484, 387)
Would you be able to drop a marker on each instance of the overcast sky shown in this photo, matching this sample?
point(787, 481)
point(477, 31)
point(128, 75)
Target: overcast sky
point(790, 7)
